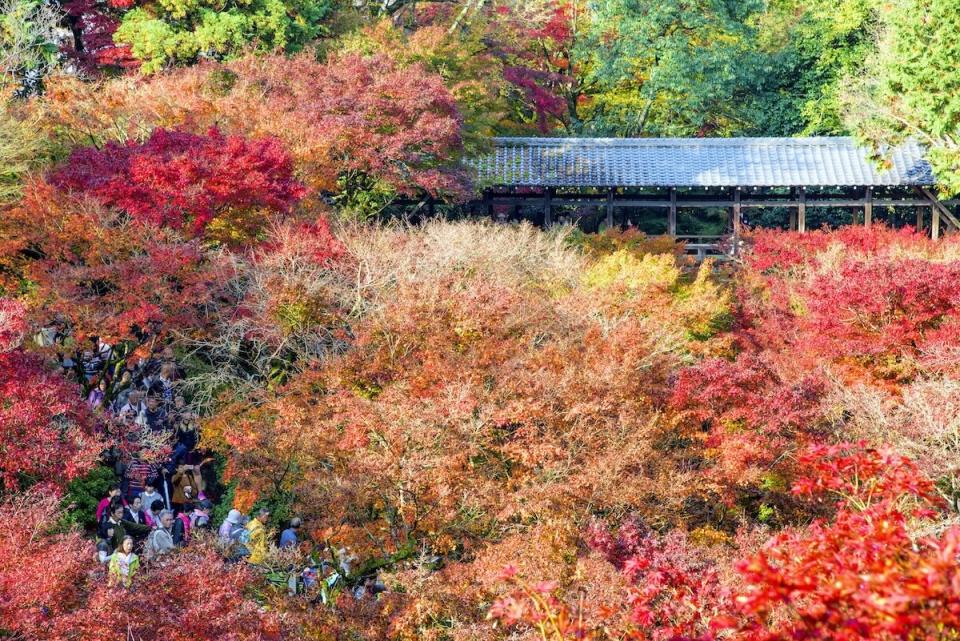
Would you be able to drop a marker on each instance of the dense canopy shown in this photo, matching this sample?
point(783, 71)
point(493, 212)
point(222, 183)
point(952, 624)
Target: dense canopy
point(262, 376)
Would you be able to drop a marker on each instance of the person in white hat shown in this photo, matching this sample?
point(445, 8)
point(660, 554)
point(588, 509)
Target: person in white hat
point(231, 523)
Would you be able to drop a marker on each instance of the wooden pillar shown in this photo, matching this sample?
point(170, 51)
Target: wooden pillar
point(488, 204)
point(802, 210)
point(919, 218)
point(547, 207)
point(792, 223)
point(868, 207)
point(430, 207)
point(935, 223)
point(610, 209)
point(672, 220)
point(737, 212)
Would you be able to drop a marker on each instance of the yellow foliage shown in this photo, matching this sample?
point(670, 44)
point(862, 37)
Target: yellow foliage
point(626, 270)
point(707, 536)
point(703, 305)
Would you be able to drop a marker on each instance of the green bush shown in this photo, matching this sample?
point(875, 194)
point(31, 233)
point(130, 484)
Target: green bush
point(82, 496)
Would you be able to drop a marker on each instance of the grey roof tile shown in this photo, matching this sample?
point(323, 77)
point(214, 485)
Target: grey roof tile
point(696, 162)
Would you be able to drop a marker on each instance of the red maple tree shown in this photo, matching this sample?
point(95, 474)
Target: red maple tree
point(103, 273)
point(46, 430)
point(176, 177)
point(864, 574)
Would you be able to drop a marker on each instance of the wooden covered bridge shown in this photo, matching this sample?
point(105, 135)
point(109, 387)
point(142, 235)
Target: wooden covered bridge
point(676, 185)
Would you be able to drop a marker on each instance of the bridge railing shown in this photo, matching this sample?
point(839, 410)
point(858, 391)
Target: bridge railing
point(703, 246)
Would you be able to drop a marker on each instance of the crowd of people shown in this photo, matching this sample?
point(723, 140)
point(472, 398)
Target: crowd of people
point(160, 503)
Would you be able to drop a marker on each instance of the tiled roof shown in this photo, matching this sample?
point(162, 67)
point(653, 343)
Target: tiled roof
point(695, 162)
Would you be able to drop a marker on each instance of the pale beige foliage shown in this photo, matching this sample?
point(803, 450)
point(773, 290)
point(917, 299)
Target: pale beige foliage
point(513, 255)
point(923, 423)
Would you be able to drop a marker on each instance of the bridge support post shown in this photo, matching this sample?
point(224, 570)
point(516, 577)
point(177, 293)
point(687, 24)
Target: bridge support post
point(737, 211)
point(792, 222)
point(547, 207)
point(868, 207)
point(672, 220)
point(802, 210)
point(610, 209)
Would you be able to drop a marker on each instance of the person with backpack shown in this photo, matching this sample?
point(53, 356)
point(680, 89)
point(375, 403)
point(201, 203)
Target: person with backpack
point(181, 529)
point(160, 541)
point(230, 527)
point(200, 517)
point(237, 541)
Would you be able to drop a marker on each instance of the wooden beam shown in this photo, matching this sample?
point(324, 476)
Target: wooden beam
point(672, 218)
point(868, 207)
point(627, 201)
point(935, 224)
point(802, 210)
point(939, 207)
point(919, 219)
point(609, 209)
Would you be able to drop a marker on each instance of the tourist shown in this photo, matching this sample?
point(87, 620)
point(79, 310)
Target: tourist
point(200, 517)
point(104, 550)
point(289, 539)
point(165, 380)
point(184, 423)
point(258, 536)
point(125, 385)
point(135, 407)
point(123, 564)
point(230, 527)
point(134, 512)
point(181, 529)
point(154, 416)
point(136, 476)
point(119, 527)
point(150, 494)
point(91, 364)
point(113, 492)
point(160, 541)
point(153, 514)
point(104, 349)
point(187, 481)
point(98, 394)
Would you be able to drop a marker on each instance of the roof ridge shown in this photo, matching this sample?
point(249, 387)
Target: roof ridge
point(674, 141)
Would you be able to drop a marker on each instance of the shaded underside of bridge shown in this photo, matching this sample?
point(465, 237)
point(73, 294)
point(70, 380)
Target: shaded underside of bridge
point(682, 186)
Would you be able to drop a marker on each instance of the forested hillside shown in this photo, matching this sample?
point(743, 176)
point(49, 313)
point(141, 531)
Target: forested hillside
point(240, 400)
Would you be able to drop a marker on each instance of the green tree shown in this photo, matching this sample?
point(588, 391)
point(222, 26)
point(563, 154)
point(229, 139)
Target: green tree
point(28, 43)
point(673, 68)
point(816, 45)
point(169, 32)
point(23, 149)
point(911, 87)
